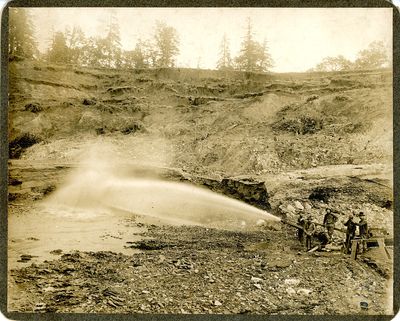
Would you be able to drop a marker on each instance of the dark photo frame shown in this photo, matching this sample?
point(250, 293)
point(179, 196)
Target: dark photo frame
point(230, 185)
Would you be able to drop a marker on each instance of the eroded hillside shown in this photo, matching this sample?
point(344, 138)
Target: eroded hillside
point(206, 122)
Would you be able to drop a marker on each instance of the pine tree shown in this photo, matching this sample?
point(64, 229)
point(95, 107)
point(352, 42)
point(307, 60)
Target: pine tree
point(253, 56)
point(166, 44)
point(107, 50)
point(265, 61)
point(246, 60)
point(225, 61)
point(91, 54)
point(112, 44)
point(21, 34)
point(140, 56)
point(59, 51)
point(76, 42)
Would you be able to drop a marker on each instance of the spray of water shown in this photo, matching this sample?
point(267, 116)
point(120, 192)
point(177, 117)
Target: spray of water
point(98, 187)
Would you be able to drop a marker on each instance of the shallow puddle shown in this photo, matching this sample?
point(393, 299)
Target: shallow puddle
point(45, 233)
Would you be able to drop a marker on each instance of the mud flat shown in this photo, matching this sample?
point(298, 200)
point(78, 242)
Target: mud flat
point(199, 270)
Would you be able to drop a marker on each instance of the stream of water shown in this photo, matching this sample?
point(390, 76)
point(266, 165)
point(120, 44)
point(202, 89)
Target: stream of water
point(170, 202)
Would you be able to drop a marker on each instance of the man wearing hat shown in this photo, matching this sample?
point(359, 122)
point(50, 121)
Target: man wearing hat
point(363, 231)
point(300, 231)
point(350, 232)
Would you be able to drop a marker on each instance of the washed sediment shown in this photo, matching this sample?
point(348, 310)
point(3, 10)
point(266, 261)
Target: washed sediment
point(199, 270)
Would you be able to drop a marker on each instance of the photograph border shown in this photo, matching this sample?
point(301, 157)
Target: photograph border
point(191, 3)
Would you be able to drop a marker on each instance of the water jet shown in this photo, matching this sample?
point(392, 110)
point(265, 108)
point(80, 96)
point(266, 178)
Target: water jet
point(170, 202)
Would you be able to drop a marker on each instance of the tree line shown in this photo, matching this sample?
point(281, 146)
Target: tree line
point(253, 56)
point(74, 47)
point(161, 50)
point(373, 57)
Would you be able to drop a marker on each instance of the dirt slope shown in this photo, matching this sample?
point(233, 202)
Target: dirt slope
point(208, 123)
point(213, 125)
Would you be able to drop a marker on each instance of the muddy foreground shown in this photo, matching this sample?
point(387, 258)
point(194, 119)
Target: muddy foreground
point(199, 270)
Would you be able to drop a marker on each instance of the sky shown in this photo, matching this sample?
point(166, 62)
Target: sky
point(298, 38)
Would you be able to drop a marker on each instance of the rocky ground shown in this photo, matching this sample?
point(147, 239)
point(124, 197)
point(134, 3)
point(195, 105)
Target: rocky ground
point(200, 270)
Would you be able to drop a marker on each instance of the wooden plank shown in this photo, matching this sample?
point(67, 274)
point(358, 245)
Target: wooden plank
point(382, 248)
point(354, 248)
point(388, 253)
point(313, 249)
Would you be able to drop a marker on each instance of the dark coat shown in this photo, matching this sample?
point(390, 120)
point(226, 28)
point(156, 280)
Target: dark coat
point(363, 228)
point(330, 219)
point(351, 226)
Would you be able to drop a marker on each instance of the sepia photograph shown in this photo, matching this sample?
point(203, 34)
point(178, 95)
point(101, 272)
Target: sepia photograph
point(200, 160)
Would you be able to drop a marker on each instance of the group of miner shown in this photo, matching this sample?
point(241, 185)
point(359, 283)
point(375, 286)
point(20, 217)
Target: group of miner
point(309, 229)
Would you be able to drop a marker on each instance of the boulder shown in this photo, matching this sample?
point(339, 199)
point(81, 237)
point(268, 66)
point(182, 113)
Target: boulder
point(304, 291)
point(292, 281)
point(255, 279)
point(307, 206)
point(290, 291)
point(247, 189)
point(298, 205)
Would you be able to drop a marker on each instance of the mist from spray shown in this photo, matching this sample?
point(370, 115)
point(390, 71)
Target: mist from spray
point(109, 185)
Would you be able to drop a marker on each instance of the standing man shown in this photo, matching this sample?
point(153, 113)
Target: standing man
point(329, 223)
point(350, 233)
point(300, 231)
point(309, 229)
point(363, 231)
